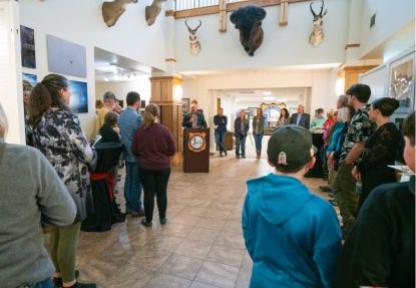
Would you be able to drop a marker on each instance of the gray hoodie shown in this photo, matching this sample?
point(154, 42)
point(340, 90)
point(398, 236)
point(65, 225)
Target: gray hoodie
point(29, 189)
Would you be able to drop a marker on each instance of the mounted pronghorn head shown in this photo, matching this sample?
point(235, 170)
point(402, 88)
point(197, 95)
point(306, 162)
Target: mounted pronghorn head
point(193, 31)
point(113, 10)
point(193, 41)
point(317, 35)
point(318, 18)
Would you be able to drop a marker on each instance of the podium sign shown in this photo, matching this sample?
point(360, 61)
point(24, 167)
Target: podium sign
point(195, 150)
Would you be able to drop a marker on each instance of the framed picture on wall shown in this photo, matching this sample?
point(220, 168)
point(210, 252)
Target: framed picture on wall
point(79, 96)
point(186, 104)
point(401, 82)
point(28, 51)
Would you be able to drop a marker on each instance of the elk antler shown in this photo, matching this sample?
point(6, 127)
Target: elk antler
point(322, 9)
point(312, 11)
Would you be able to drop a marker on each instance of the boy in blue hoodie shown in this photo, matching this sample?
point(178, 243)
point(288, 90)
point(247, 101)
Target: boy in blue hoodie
point(292, 235)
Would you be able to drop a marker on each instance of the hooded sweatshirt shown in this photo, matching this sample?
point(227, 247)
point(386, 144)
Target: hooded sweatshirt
point(292, 236)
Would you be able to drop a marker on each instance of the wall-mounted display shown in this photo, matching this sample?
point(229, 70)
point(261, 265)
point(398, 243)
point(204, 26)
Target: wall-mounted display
point(27, 39)
point(32, 79)
point(79, 96)
point(401, 85)
point(153, 11)
point(186, 104)
point(317, 36)
point(65, 57)
point(194, 43)
point(113, 10)
point(248, 20)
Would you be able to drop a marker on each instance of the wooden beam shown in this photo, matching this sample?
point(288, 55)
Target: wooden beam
point(283, 13)
point(230, 7)
point(223, 16)
point(352, 46)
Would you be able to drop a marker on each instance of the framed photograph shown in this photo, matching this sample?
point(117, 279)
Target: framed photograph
point(66, 57)
point(29, 79)
point(142, 104)
point(401, 83)
point(79, 96)
point(186, 104)
point(27, 39)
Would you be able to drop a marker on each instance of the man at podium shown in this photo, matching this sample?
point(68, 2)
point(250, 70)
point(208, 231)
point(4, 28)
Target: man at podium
point(195, 118)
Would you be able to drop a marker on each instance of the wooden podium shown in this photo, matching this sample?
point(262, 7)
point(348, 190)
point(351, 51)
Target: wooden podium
point(195, 150)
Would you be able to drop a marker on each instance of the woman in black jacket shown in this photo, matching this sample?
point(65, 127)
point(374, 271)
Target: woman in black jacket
point(383, 148)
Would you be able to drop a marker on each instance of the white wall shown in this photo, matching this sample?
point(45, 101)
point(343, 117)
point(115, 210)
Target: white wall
point(392, 17)
point(10, 78)
point(81, 22)
point(282, 46)
point(141, 86)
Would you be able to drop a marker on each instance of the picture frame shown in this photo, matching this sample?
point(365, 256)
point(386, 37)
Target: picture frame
point(186, 104)
point(401, 82)
point(79, 96)
point(28, 48)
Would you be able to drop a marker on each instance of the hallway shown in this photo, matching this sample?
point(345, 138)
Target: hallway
point(200, 247)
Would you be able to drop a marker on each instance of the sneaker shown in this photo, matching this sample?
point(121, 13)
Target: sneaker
point(244, 156)
point(140, 213)
point(163, 221)
point(57, 282)
point(146, 223)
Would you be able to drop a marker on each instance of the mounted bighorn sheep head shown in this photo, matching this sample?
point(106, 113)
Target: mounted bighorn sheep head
point(153, 11)
point(248, 21)
point(113, 10)
point(194, 44)
point(317, 36)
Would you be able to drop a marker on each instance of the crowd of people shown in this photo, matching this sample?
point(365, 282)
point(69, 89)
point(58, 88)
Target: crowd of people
point(294, 237)
point(56, 189)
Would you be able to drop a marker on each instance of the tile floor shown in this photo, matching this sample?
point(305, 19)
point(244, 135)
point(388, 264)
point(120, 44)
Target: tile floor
point(200, 247)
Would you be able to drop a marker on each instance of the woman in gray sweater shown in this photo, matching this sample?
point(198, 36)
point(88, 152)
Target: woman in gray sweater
point(30, 190)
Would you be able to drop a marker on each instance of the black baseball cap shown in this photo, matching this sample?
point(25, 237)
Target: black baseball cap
point(290, 148)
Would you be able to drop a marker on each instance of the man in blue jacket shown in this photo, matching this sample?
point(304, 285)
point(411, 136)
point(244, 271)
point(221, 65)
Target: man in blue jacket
point(129, 121)
point(292, 235)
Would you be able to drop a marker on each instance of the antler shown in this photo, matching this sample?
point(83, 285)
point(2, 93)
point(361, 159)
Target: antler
point(313, 12)
point(193, 31)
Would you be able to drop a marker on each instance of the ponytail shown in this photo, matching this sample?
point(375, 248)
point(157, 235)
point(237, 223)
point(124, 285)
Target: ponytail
point(150, 115)
point(45, 95)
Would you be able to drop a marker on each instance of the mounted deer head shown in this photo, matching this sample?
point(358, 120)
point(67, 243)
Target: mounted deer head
point(317, 36)
point(153, 11)
point(248, 21)
point(113, 10)
point(194, 44)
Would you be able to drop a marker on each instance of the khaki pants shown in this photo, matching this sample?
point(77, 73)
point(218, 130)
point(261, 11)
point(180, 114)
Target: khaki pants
point(347, 198)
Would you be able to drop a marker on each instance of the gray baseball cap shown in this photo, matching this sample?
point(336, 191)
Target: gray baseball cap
point(290, 148)
point(108, 96)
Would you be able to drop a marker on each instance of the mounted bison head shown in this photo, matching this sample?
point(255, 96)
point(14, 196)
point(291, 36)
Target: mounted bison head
point(248, 21)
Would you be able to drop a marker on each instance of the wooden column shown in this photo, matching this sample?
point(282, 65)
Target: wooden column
point(223, 15)
point(351, 74)
point(283, 12)
point(163, 94)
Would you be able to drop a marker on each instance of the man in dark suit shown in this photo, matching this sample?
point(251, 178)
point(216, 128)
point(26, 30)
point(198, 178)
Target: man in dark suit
point(301, 118)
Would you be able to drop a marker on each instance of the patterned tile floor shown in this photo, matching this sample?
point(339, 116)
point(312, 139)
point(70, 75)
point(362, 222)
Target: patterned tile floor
point(200, 247)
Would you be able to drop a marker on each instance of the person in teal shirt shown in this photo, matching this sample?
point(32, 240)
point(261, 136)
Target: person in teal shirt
point(317, 125)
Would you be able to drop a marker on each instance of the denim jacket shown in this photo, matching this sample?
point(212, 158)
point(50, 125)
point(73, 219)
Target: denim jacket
point(129, 121)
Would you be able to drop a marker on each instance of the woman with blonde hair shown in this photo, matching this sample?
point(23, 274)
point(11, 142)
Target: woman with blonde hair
point(154, 145)
point(39, 194)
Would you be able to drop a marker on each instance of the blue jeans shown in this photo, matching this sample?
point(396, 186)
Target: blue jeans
point(258, 139)
point(133, 187)
point(240, 145)
point(219, 140)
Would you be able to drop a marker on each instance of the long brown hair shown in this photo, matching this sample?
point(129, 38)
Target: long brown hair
point(46, 95)
point(150, 115)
